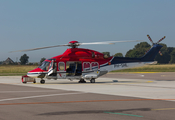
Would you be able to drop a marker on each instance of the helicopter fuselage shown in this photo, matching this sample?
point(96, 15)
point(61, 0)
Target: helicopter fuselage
point(79, 63)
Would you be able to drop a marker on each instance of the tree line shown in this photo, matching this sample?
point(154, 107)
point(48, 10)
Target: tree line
point(24, 59)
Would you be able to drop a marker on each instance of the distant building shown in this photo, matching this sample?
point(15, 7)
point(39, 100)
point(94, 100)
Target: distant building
point(8, 61)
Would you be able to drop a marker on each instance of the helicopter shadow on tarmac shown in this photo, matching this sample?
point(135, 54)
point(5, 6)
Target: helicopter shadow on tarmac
point(94, 111)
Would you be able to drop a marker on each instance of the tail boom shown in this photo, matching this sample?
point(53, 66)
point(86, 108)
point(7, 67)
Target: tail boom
point(118, 63)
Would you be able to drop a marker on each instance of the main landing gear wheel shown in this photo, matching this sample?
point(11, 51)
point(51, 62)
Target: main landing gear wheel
point(92, 80)
point(82, 81)
point(34, 81)
point(42, 81)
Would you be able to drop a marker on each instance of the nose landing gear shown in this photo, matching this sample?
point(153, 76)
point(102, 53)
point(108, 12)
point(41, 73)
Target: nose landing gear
point(82, 81)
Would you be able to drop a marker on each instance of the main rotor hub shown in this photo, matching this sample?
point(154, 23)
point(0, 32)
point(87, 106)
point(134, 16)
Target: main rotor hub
point(73, 44)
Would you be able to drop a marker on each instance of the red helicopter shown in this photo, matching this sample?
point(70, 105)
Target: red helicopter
point(85, 64)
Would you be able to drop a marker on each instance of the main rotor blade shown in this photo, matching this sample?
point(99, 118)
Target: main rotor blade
point(77, 44)
point(110, 42)
point(38, 48)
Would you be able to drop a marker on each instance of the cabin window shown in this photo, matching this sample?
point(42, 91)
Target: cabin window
point(61, 66)
point(94, 65)
point(86, 66)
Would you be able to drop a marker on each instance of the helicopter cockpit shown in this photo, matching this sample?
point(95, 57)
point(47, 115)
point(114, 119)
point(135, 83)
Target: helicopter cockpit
point(45, 65)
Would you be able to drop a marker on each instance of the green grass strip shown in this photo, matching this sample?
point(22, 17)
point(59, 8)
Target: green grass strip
point(123, 114)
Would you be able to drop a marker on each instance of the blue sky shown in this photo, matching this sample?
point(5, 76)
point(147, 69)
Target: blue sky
point(39, 23)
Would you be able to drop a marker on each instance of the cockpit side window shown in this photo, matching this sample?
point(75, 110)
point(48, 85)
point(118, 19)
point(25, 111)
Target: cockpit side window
point(44, 65)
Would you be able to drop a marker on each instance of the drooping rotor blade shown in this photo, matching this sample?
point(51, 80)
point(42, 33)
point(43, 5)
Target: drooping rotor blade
point(39, 48)
point(150, 39)
point(110, 42)
point(160, 39)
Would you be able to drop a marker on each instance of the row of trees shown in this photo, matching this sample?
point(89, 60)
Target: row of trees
point(168, 53)
point(116, 55)
point(24, 59)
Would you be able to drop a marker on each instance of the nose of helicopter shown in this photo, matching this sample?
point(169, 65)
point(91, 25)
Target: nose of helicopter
point(36, 73)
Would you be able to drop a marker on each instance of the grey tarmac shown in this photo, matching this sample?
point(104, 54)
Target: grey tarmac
point(113, 96)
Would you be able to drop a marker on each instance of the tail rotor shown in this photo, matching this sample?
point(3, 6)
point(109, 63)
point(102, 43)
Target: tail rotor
point(156, 42)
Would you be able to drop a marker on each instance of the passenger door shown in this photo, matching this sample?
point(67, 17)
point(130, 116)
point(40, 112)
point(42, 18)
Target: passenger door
point(52, 69)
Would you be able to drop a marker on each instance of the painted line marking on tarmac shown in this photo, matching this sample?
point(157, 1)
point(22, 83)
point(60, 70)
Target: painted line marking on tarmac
point(123, 114)
point(117, 83)
point(144, 72)
point(40, 96)
point(149, 81)
point(131, 72)
point(74, 101)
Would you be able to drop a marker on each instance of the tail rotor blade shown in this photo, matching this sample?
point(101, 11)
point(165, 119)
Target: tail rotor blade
point(160, 53)
point(161, 39)
point(150, 39)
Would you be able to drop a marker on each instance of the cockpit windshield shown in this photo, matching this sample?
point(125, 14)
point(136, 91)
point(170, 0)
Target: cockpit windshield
point(44, 65)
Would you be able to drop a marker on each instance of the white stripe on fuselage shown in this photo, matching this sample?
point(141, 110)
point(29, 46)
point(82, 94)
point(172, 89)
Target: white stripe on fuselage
point(34, 74)
point(120, 66)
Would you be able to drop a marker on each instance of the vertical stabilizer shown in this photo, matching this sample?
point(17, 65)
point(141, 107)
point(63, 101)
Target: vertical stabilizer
point(151, 54)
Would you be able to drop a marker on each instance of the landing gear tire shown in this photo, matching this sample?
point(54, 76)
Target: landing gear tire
point(34, 81)
point(24, 82)
point(92, 80)
point(82, 81)
point(42, 81)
